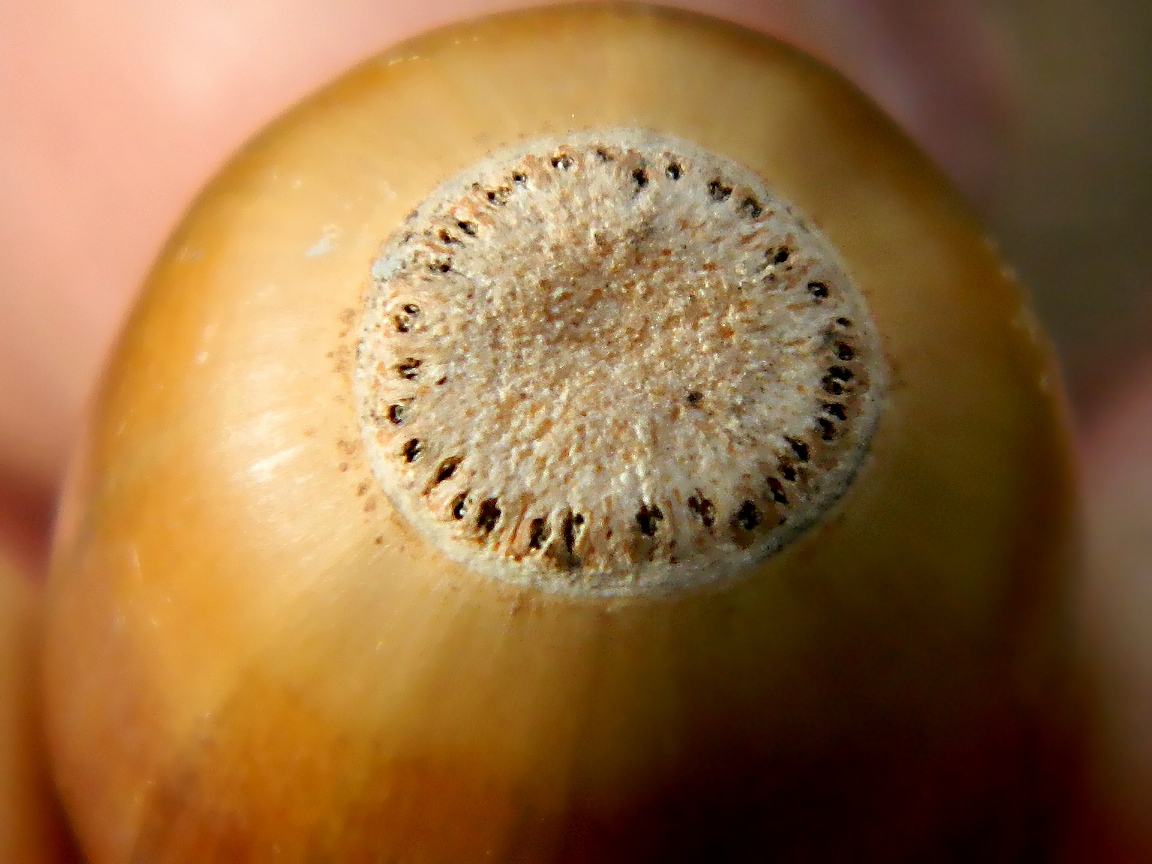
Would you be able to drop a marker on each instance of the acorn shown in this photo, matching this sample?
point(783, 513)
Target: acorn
point(591, 434)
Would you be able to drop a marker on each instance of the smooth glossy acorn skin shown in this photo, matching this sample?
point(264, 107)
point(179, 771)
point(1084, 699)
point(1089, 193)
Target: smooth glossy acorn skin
point(251, 657)
point(32, 829)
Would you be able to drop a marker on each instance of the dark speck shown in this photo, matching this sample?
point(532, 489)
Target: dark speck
point(649, 518)
point(703, 508)
point(459, 503)
point(799, 448)
point(488, 515)
point(537, 534)
point(408, 368)
point(719, 191)
point(572, 522)
point(446, 470)
point(747, 517)
point(398, 413)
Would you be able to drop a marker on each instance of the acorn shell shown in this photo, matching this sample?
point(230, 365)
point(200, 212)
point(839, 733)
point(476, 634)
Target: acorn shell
point(252, 656)
point(32, 828)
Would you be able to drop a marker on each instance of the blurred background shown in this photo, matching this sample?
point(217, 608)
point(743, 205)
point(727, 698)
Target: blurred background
point(1072, 206)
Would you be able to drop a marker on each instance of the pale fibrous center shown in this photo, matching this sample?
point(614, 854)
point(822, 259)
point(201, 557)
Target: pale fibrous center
point(613, 362)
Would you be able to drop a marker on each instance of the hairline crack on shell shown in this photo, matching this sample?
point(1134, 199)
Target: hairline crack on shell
point(613, 362)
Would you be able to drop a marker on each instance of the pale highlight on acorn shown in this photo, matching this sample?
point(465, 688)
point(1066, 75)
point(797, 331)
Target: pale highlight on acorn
point(614, 362)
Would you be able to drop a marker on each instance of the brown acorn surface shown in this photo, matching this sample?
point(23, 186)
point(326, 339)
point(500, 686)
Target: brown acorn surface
point(32, 828)
point(592, 434)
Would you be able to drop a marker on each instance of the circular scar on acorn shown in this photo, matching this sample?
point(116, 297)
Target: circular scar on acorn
point(614, 362)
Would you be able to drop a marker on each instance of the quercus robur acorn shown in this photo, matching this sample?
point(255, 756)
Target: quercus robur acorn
point(583, 435)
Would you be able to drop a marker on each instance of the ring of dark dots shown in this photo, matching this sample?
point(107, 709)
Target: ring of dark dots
point(486, 514)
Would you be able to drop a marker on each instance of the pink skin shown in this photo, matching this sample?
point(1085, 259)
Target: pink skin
point(113, 114)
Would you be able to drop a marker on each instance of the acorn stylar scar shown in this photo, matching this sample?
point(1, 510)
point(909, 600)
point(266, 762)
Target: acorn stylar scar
point(592, 434)
point(599, 306)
